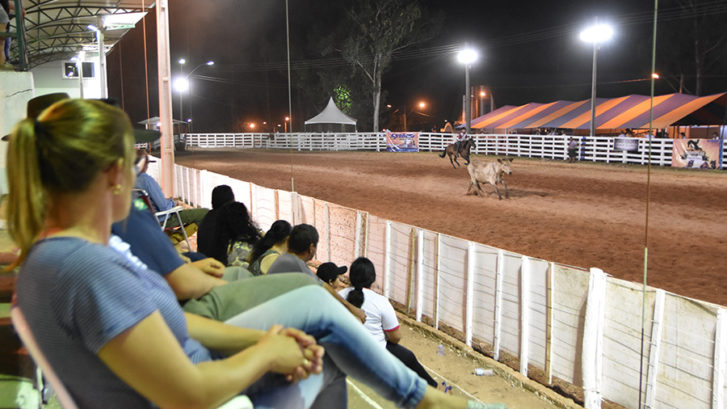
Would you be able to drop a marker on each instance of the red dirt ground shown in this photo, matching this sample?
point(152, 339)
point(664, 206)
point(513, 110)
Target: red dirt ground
point(582, 214)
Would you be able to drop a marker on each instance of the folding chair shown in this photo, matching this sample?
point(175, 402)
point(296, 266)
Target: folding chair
point(64, 398)
point(164, 215)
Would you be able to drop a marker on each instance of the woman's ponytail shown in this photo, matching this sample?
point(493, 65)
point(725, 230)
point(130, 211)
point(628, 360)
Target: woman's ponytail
point(26, 198)
point(362, 275)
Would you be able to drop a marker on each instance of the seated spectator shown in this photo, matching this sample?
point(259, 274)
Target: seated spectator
point(156, 196)
point(236, 235)
point(112, 329)
point(330, 273)
point(381, 319)
point(273, 244)
point(302, 245)
point(206, 232)
point(141, 230)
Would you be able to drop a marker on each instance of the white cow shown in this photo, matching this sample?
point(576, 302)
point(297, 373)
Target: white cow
point(491, 172)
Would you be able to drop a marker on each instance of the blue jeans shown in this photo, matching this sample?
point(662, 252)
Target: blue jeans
point(350, 350)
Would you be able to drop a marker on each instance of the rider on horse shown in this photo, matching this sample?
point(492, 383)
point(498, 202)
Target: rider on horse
point(461, 137)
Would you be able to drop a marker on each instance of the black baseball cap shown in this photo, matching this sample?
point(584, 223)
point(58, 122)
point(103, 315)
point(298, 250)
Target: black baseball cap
point(329, 271)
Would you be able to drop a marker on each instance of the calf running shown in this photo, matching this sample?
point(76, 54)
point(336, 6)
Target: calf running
point(489, 172)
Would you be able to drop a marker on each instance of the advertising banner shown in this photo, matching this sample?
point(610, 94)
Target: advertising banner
point(402, 141)
point(626, 144)
point(696, 153)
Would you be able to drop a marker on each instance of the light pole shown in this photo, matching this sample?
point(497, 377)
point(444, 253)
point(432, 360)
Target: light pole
point(467, 56)
point(420, 105)
point(181, 84)
point(595, 34)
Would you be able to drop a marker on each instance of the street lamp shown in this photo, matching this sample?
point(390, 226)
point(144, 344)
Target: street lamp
point(467, 56)
point(181, 84)
point(420, 105)
point(287, 119)
point(596, 34)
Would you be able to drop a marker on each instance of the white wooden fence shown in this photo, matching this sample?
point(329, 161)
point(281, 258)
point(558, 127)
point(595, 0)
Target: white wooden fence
point(573, 325)
point(597, 149)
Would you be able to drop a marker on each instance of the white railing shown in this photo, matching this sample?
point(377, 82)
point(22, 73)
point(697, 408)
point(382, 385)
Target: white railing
point(572, 325)
point(597, 149)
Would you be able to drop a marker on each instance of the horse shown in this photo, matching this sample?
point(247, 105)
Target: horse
point(489, 172)
point(464, 151)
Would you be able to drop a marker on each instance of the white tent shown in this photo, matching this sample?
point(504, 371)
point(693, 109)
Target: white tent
point(331, 119)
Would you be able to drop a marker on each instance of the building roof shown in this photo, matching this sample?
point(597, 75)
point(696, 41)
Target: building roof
point(58, 29)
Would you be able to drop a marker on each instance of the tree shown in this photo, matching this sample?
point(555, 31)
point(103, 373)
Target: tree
point(376, 29)
point(692, 41)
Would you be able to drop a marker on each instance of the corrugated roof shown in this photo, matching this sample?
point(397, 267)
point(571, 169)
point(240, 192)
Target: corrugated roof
point(58, 29)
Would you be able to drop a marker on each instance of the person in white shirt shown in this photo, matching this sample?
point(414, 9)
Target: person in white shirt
point(381, 319)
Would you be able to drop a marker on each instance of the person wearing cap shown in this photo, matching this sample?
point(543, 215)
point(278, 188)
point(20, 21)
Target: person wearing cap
point(302, 246)
point(158, 200)
point(330, 273)
point(381, 320)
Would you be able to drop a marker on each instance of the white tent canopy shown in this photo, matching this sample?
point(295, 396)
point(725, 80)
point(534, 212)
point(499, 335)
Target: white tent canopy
point(331, 115)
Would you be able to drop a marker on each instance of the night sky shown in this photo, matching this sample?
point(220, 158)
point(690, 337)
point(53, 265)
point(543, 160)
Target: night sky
point(530, 52)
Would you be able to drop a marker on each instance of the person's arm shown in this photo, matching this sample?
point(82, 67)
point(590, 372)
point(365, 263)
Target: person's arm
point(189, 282)
point(161, 371)
point(155, 193)
point(357, 312)
point(393, 336)
point(210, 266)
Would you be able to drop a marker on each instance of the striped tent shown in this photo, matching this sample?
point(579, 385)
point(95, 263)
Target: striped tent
point(631, 111)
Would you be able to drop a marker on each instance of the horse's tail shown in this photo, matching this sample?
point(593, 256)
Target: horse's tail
point(444, 152)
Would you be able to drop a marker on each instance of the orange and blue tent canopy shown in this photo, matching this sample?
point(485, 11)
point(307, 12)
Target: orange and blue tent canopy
point(630, 111)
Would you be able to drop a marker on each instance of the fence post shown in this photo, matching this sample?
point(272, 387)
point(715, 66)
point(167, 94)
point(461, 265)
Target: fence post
point(436, 280)
point(387, 260)
point(592, 359)
point(499, 276)
point(420, 273)
point(720, 349)
point(653, 371)
point(469, 301)
point(549, 324)
point(357, 237)
point(327, 229)
point(524, 314)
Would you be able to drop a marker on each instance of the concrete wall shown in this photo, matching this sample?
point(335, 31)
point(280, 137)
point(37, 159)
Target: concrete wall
point(49, 78)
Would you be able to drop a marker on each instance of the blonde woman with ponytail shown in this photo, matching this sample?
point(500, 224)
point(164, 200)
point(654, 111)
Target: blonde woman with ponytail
point(114, 331)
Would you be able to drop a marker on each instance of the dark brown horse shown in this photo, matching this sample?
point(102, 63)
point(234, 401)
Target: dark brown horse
point(464, 152)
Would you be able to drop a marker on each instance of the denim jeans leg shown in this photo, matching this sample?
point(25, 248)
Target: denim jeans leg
point(347, 342)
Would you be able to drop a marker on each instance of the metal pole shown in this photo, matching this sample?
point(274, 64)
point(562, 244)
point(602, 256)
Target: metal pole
point(103, 85)
point(287, 42)
point(181, 94)
point(593, 92)
point(467, 97)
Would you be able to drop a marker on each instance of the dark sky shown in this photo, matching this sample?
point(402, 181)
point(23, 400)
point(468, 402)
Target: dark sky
point(530, 52)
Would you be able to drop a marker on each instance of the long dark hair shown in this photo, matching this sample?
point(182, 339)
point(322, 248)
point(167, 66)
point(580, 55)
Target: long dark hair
point(279, 231)
point(362, 275)
point(233, 224)
point(221, 195)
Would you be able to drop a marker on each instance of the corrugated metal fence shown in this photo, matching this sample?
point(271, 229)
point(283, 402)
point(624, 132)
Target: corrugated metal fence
point(567, 324)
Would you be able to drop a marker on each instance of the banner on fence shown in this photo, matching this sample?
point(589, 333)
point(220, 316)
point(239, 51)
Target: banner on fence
point(402, 141)
point(695, 153)
point(626, 144)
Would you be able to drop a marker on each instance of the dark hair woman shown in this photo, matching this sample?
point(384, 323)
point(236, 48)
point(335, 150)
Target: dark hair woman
point(207, 231)
point(381, 319)
point(236, 235)
point(267, 250)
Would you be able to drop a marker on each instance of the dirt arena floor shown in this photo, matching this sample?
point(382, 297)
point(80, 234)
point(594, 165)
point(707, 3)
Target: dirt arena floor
point(582, 214)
